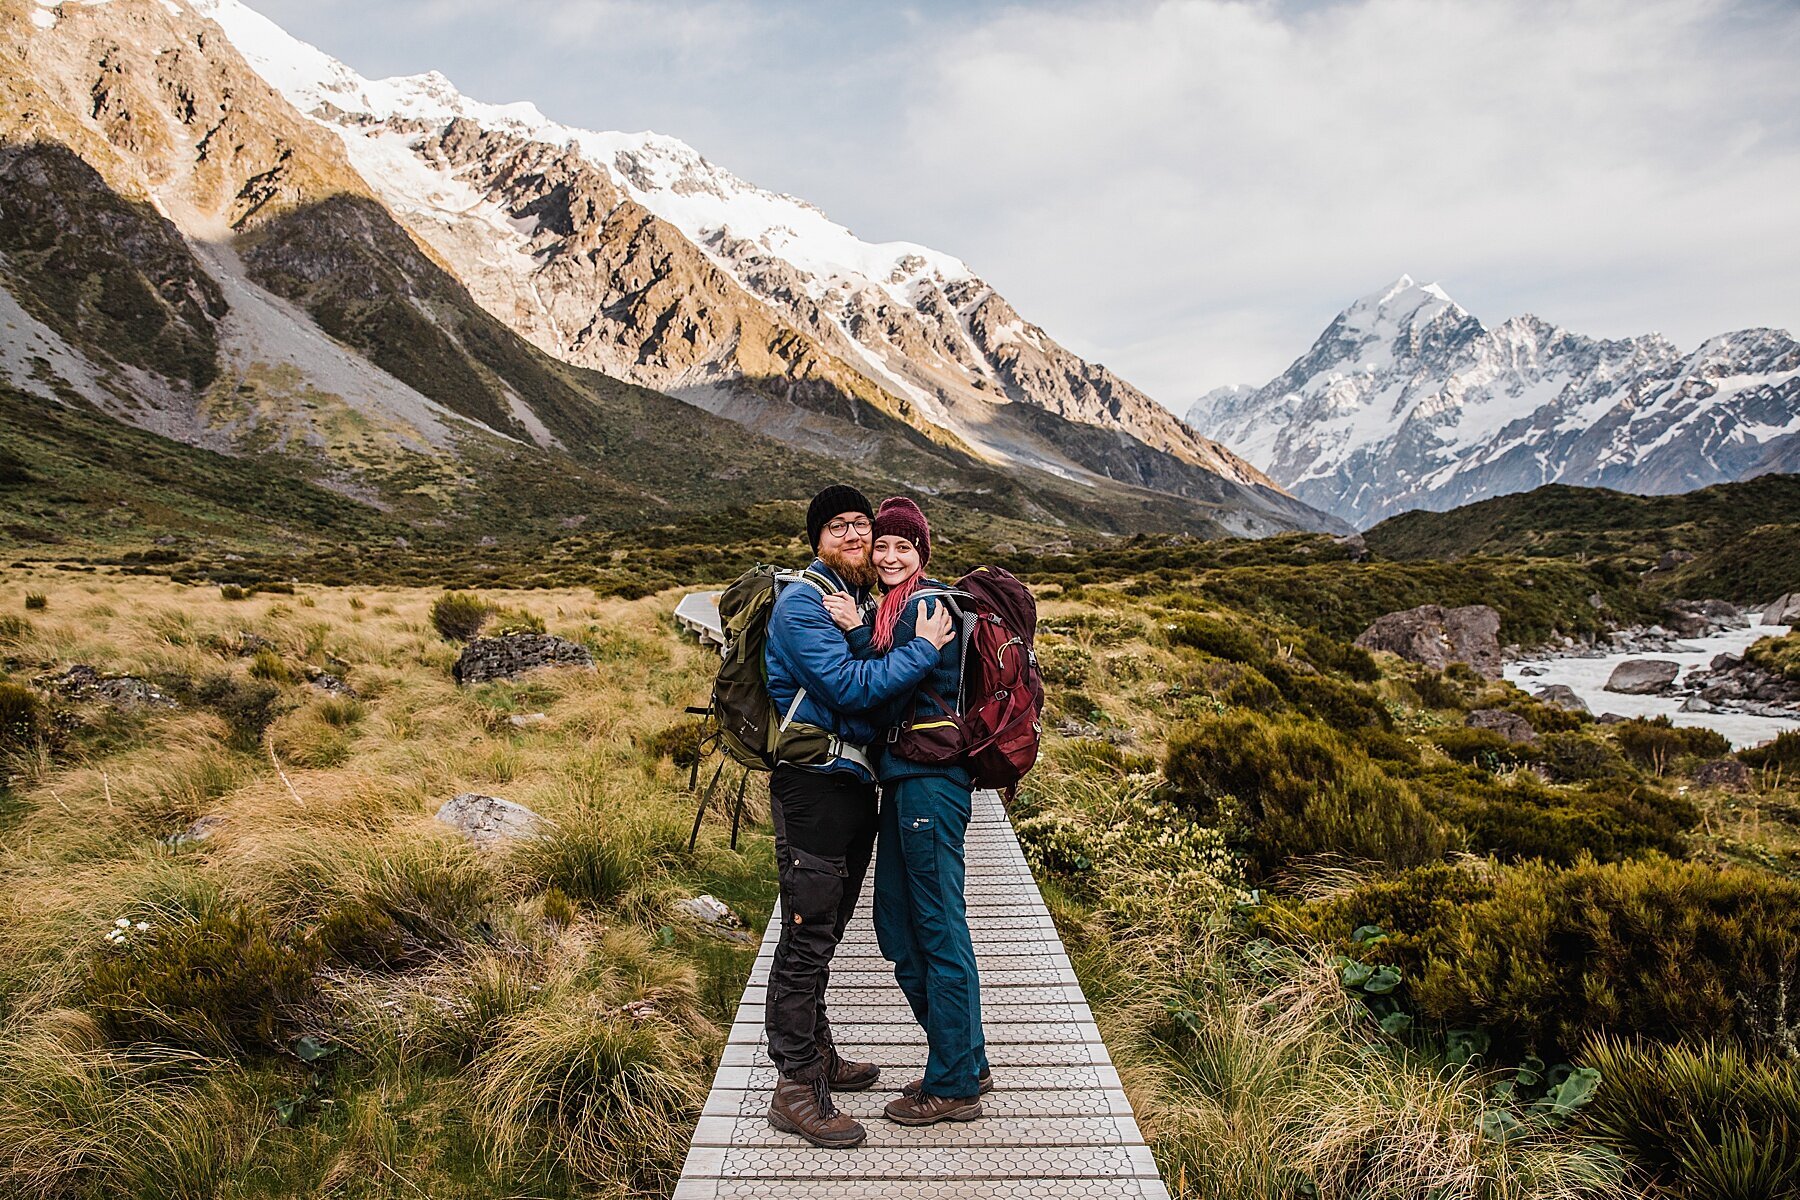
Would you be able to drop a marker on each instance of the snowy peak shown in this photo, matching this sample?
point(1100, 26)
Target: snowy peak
point(1408, 401)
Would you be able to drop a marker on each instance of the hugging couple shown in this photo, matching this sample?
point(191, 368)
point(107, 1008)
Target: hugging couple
point(863, 644)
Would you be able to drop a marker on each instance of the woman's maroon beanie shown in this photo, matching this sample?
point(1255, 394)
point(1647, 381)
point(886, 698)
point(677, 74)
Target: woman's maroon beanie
point(900, 517)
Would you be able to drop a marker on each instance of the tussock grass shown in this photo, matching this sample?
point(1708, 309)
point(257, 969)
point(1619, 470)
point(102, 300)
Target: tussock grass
point(522, 1017)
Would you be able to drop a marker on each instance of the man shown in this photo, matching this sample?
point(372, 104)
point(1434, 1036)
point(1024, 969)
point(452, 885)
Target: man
point(824, 811)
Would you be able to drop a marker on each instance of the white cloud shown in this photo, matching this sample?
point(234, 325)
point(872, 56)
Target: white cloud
point(1192, 188)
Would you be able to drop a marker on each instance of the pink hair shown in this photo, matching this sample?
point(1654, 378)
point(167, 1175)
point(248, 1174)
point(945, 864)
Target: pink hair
point(893, 603)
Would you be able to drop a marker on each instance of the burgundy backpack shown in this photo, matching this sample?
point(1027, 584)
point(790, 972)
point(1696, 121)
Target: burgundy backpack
point(995, 726)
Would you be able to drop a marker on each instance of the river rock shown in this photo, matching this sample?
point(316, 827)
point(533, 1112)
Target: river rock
point(1785, 610)
point(1509, 725)
point(1562, 696)
point(516, 653)
point(488, 820)
point(1643, 676)
point(1438, 636)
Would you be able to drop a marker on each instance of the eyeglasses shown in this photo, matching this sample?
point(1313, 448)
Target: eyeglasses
point(840, 528)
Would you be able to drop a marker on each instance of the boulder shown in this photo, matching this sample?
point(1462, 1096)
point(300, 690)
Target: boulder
point(1562, 696)
point(1695, 704)
point(488, 820)
point(1726, 773)
point(1785, 610)
point(1643, 676)
point(1354, 545)
point(1438, 636)
point(516, 653)
point(1509, 725)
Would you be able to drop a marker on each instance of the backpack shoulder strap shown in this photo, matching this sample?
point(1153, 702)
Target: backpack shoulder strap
point(819, 583)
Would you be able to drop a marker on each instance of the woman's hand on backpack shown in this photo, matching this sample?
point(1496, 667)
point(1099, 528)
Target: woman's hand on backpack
point(843, 611)
point(934, 623)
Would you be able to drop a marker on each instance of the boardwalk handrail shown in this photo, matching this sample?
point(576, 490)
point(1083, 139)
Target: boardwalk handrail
point(698, 613)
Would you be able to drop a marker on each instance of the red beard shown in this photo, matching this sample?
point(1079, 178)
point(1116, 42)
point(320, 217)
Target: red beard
point(858, 572)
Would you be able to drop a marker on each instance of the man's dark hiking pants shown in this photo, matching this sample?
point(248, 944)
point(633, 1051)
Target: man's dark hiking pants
point(824, 835)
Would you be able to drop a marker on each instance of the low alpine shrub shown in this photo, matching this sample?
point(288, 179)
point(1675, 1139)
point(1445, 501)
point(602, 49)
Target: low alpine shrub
point(218, 981)
point(458, 616)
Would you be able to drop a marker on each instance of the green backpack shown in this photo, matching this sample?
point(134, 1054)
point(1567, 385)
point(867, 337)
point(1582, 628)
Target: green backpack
point(747, 727)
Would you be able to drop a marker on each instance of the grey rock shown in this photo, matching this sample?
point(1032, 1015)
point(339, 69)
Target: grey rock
point(1726, 773)
point(1354, 543)
point(514, 654)
point(1509, 725)
point(1784, 611)
point(1643, 677)
point(199, 831)
point(488, 820)
point(82, 682)
point(1562, 696)
point(1694, 704)
point(1673, 558)
point(526, 720)
point(1438, 636)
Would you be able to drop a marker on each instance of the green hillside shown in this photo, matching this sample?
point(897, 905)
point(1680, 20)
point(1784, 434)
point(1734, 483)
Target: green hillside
point(1744, 537)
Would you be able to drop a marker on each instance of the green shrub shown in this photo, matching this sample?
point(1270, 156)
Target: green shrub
point(1780, 655)
point(458, 616)
point(1783, 752)
point(680, 742)
point(1483, 748)
point(22, 718)
point(1546, 957)
point(1707, 1119)
point(1436, 689)
point(1577, 757)
point(220, 981)
point(267, 665)
point(1218, 637)
point(1521, 818)
point(36, 601)
point(231, 591)
point(1301, 788)
point(1329, 654)
point(1341, 705)
point(1064, 665)
point(1658, 744)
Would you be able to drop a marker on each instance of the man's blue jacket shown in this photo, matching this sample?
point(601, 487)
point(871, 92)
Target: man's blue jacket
point(843, 692)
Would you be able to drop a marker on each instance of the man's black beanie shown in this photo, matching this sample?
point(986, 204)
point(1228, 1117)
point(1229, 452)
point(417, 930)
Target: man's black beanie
point(829, 503)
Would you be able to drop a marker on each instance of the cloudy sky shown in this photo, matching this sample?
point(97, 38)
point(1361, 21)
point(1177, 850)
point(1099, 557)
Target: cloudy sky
point(1189, 190)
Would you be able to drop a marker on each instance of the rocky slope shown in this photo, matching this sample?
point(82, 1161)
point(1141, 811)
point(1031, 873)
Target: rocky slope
point(1407, 401)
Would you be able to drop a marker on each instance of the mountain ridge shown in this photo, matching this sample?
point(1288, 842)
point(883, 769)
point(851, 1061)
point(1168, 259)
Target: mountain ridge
point(1406, 400)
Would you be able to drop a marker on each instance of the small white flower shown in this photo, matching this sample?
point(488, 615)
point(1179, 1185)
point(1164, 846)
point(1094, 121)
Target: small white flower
point(141, 926)
point(123, 923)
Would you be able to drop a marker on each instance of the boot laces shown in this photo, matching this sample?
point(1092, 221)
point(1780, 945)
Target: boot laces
point(821, 1086)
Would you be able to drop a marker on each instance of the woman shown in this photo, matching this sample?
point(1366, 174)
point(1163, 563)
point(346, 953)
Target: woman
point(921, 920)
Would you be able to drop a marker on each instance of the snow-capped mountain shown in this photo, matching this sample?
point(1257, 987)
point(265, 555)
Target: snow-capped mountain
point(1408, 401)
point(485, 186)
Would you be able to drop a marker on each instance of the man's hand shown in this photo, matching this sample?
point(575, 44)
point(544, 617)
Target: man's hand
point(934, 623)
point(843, 611)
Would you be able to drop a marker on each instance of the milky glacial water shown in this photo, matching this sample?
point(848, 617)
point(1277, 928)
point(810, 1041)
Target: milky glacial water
point(1588, 676)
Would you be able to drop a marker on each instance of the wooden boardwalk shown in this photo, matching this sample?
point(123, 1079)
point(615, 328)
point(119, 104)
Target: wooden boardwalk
point(1057, 1123)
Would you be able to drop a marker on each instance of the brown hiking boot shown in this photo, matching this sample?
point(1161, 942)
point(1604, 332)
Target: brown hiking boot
point(803, 1106)
point(927, 1109)
point(848, 1075)
point(983, 1084)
